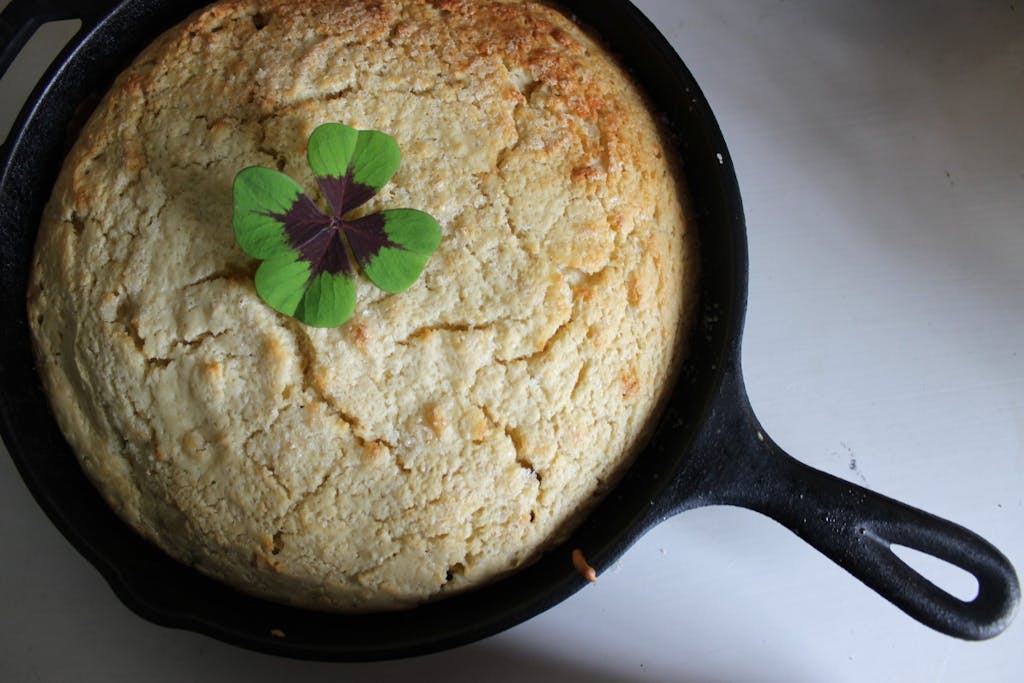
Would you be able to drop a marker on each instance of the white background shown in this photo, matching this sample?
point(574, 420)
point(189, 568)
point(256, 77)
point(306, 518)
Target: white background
point(880, 151)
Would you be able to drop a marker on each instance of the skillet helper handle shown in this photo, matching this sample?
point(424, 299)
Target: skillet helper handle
point(20, 19)
point(857, 528)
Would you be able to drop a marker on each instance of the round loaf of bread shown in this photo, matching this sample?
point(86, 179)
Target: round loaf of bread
point(442, 437)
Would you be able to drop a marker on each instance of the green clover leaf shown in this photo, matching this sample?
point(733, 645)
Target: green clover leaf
point(307, 270)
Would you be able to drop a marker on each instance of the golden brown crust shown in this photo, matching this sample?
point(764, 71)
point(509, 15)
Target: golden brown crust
point(444, 435)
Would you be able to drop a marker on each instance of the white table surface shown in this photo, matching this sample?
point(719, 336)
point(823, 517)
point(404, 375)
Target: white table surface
point(880, 151)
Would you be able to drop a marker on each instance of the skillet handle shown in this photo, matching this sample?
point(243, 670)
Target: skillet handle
point(856, 527)
point(20, 19)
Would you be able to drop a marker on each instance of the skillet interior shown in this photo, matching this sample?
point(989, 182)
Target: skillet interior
point(165, 592)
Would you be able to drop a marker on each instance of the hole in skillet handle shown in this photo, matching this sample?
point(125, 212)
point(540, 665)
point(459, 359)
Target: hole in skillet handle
point(735, 463)
point(949, 577)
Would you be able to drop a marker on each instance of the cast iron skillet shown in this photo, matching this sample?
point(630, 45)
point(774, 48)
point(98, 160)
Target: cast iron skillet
point(708, 448)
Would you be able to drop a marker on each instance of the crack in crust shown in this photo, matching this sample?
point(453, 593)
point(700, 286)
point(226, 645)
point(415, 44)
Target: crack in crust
point(312, 383)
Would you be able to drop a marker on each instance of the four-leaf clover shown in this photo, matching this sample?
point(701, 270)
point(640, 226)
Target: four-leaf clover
point(307, 270)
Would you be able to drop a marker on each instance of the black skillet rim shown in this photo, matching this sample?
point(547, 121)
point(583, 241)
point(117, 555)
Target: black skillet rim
point(167, 593)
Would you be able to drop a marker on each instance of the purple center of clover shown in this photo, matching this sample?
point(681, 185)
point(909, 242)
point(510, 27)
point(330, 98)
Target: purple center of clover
point(320, 239)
